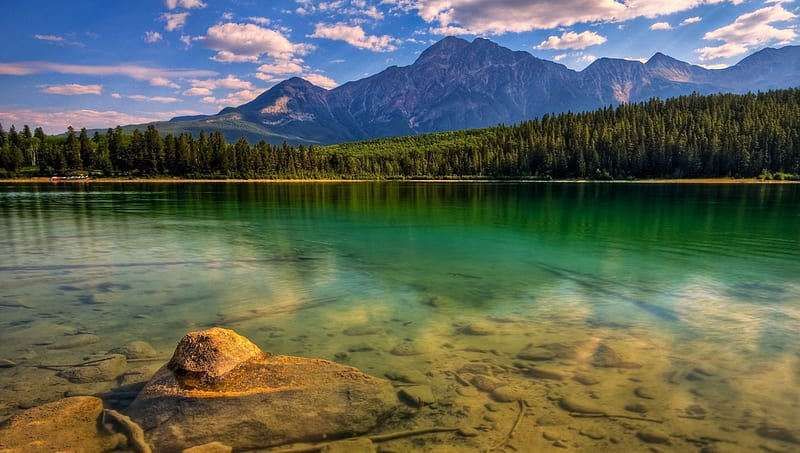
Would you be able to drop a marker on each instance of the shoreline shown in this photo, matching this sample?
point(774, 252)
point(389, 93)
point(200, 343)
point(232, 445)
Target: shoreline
point(105, 180)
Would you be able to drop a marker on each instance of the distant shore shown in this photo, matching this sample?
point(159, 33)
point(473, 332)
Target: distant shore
point(41, 180)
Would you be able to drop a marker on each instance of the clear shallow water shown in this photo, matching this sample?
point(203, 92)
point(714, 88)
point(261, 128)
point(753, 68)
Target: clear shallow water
point(697, 285)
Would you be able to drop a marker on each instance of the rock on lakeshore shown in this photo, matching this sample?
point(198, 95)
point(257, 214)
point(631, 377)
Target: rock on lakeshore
point(219, 386)
point(71, 424)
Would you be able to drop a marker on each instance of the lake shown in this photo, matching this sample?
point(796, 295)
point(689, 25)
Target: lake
point(674, 308)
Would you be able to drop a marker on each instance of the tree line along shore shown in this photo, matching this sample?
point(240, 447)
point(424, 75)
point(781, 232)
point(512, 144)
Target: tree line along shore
point(688, 137)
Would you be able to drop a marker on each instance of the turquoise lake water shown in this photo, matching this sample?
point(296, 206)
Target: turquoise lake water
point(695, 287)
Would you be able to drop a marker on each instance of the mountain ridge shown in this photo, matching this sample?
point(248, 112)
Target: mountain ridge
point(457, 84)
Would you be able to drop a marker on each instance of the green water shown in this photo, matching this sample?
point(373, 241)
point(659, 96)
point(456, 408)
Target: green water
point(698, 284)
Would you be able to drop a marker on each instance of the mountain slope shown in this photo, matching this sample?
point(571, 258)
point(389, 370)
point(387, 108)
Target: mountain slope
point(456, 84)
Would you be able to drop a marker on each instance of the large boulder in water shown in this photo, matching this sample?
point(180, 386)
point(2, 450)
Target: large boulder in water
point(219, 386)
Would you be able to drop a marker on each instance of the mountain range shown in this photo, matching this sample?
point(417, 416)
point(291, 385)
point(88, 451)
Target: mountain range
point(457, 84)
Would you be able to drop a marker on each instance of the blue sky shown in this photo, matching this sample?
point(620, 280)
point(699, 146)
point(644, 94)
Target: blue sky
point(99, 63)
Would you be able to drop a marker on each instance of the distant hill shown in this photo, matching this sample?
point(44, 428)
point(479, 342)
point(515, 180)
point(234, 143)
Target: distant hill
point(456, 84)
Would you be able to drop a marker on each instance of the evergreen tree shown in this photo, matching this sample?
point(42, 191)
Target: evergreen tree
point(86, 149)
point(72, 150)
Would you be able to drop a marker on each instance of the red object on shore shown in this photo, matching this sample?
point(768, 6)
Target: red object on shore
point(68, 178)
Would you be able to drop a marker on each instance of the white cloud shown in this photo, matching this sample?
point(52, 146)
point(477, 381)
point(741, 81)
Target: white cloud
point(229, 82)
point(578, 60)
point(197, 91)
point(495, 17)
point(226, 56)
point(175, 21)
point(268, 77)
point(186, 39)
point(57, 122)
point(661, 26)
point(60, 40)
point(321, 7)
point(163, 82)
point(749, 30)
point(152, 36)
point(232, 82)
point(372, 12)
point(116, 95)
point(281, 67)
point(724, 51)
point(233, 99)
point(450, 30)
point(715, 66)
point(50, 38)
point(132, 71)
point(572, 40)
point(73, 89)
point(691, 20)
point(259, 20)
point(143, 98)
point(248, 42)
point(188, 4)
point(208, 84)
point(321, 81)
point(355, 36)
point(356, 8)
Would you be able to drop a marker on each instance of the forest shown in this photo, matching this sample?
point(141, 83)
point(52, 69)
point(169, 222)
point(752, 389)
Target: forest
point(694, 136)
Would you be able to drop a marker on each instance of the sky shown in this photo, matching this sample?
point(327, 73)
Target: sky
point(101, 63)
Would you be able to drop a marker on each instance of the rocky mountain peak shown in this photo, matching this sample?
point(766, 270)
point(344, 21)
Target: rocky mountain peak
point(458, 84)
point(442, 51)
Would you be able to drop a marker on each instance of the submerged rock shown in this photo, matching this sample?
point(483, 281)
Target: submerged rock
point(68, 425)
point(507, 394)
point(592, 432)
point(219, 386)
point(567, 350)
point(486, 383)
point(136, 350)
point(408, 348)
point(545, 372)
point(579, 405)
point(211, 447)
point(646, 393)
point(361, 347)
point(536, 353)
point(695, 411)
point(478, 328)
point(407, 376)
point(639, 408)
point(418, 395)
point(99, 370)
point(74, 341)
point(653, 436)
point(606, 357)
point(468, 392)
point(777, 432)
point(553, 419)
point(5, 363)
point(476, 368)
point(586, 379)
point(358, 331)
